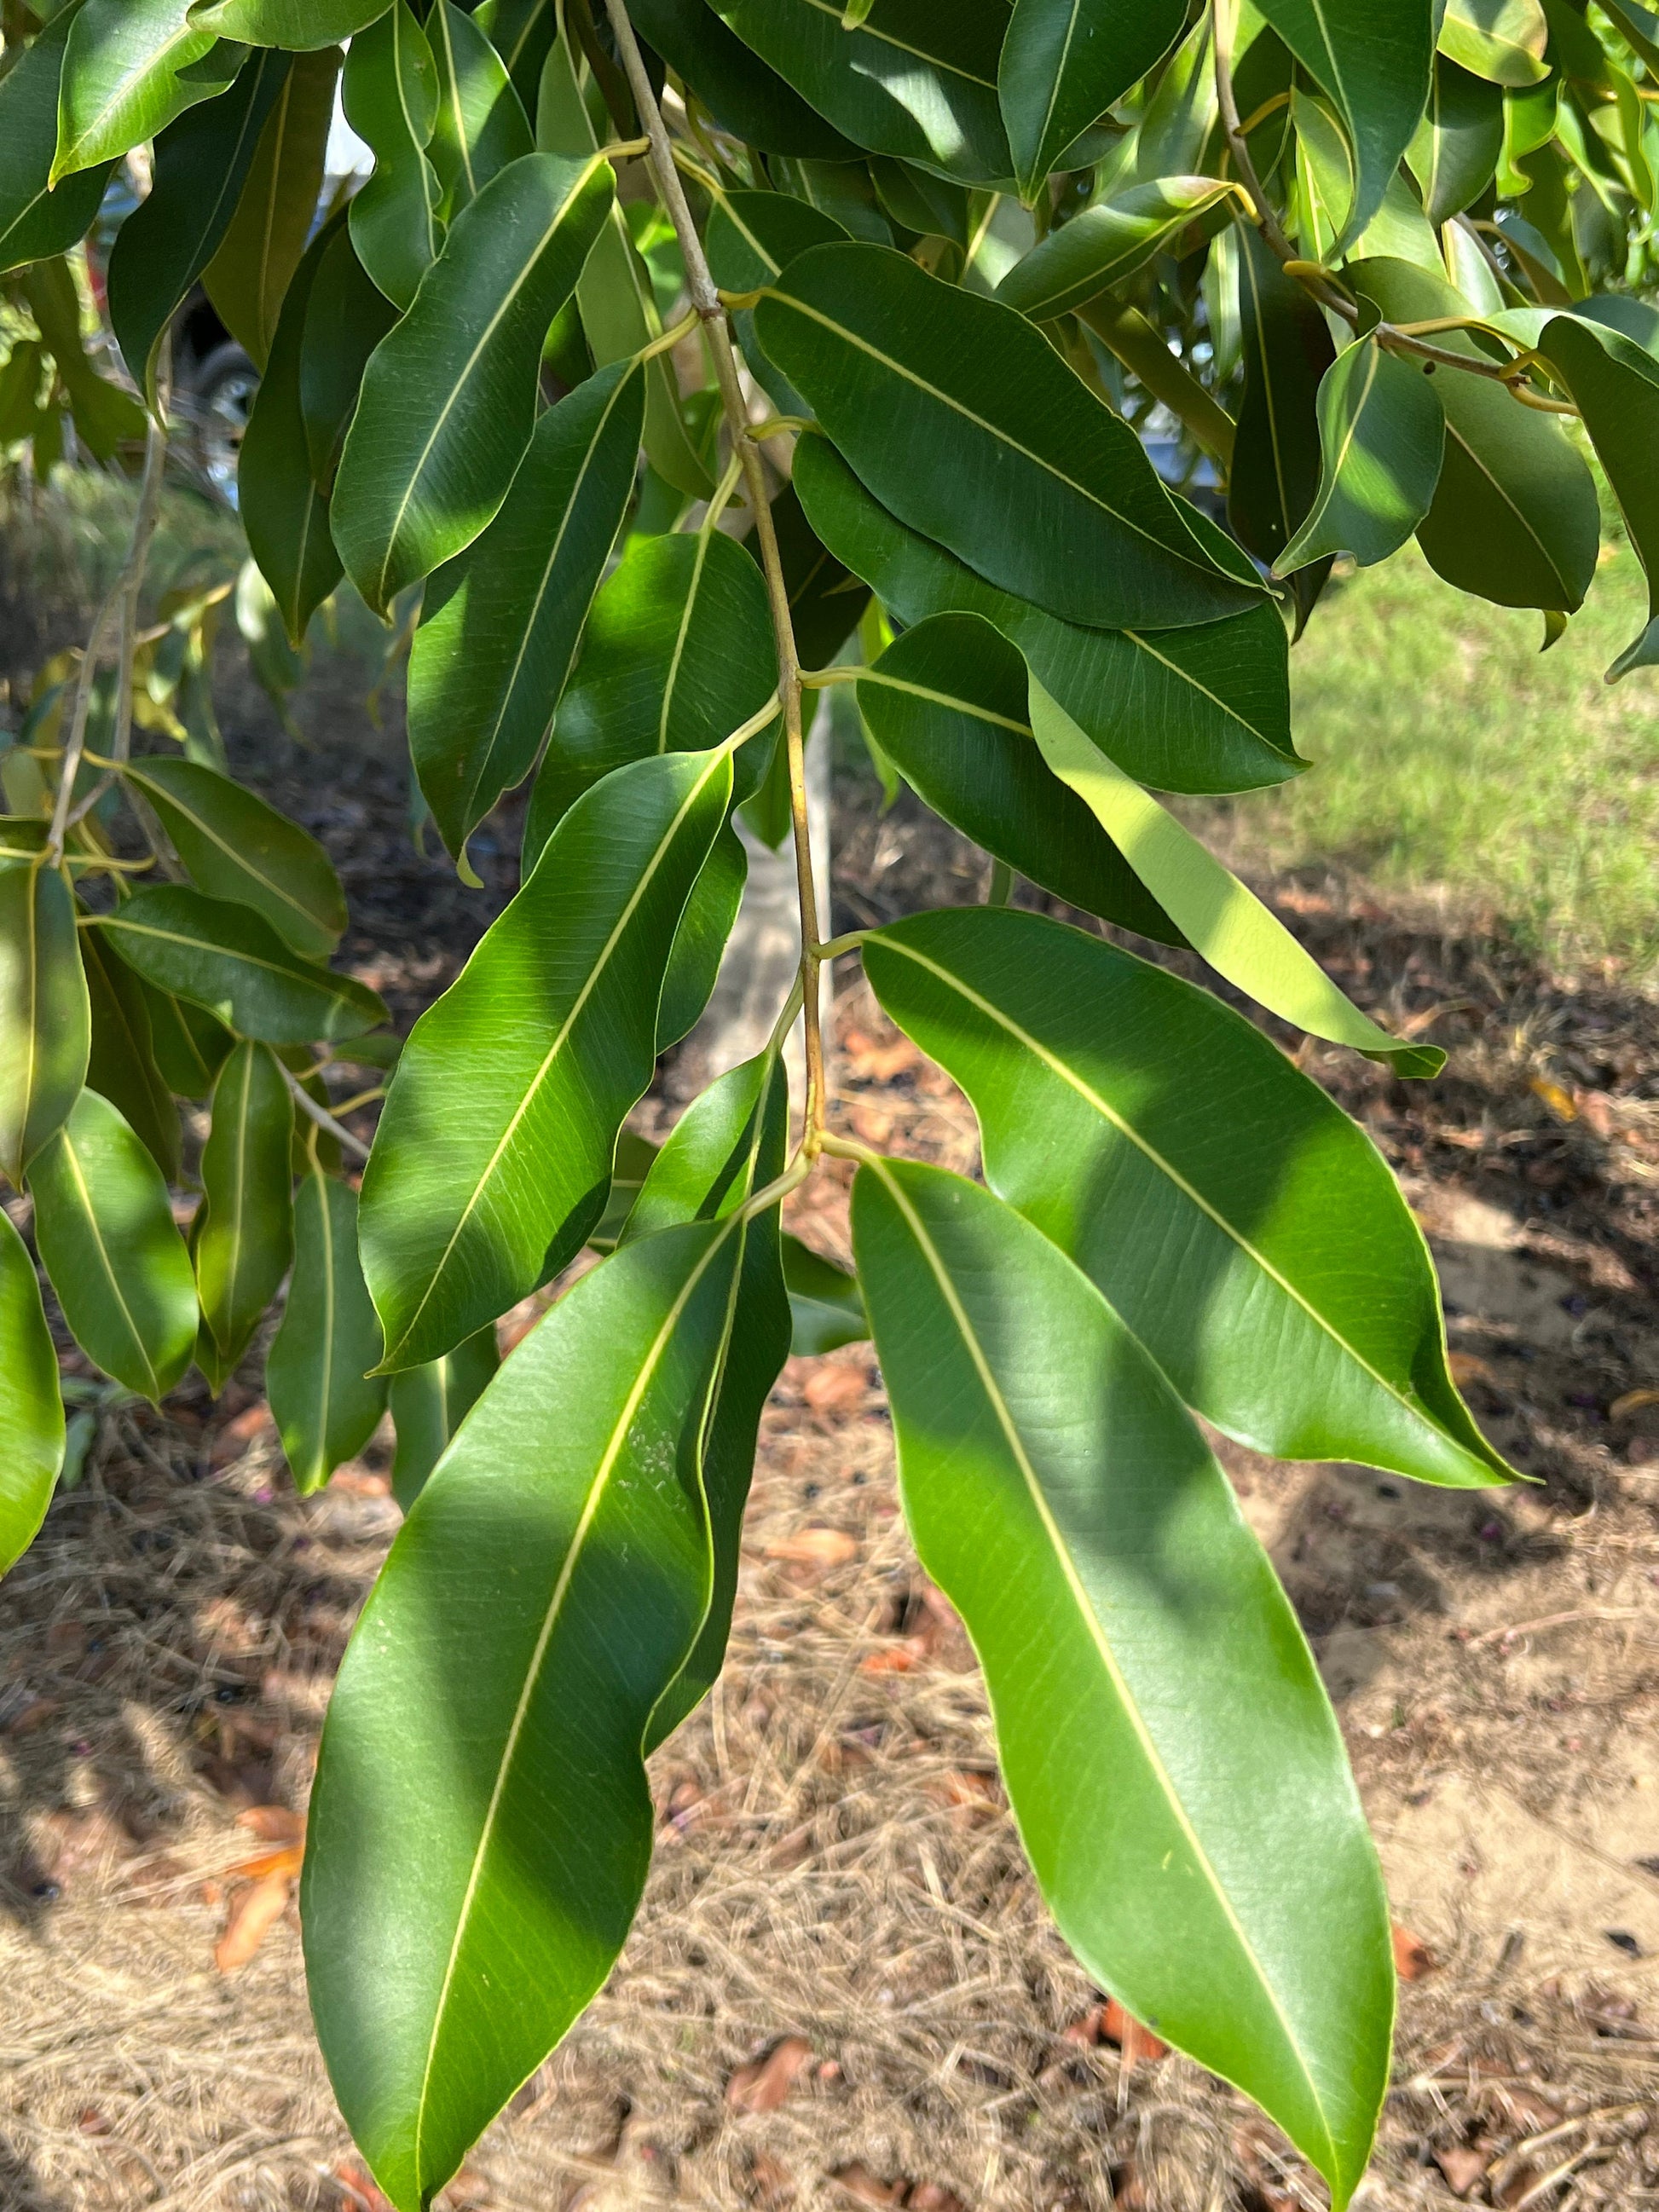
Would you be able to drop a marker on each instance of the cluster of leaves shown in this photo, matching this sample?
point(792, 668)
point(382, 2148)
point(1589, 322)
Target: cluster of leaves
point(952, 248)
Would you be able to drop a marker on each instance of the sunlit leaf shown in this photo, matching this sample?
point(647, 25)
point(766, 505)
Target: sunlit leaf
point(1109, 242)
point(745, 97)
point(44, 1014)
point(130, 66)
point(248, 275)
point(31, 1410)
point(304, 25)
point(1064, 62)
point(1458, 142)
point(1375, 63)
point(1502, 40)
point(391, 95)
point(322, 1400)
point(481, 123)
point(35, 221)
point(1381, 434)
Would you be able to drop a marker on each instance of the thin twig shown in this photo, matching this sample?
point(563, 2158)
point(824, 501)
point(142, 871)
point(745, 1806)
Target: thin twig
point(323, 1118)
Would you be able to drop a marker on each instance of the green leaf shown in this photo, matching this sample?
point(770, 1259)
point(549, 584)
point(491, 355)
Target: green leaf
point(1276, 460)
point(1112, 241)
point(1064, 62)
point(301, 25)
point(501, 622)
point(31, 1409)
point(959, 417)
point(190, 1046)
point(1515, 517)
point(946, 703)
point(630, 1165)
point(1502, 40)
point(910, 79)
point(751, 236)
point(229, 960)
point(1167, 1744)
point(244, 1234)
point(826, 600)
point(522, 32)
point(122, 1067)
point(678, 653)
point(429, 1403)
point(284, 511)
point(481, 123)
point(1241, 939)
point(449, 396)
point(1375, 64)
point(238, 846)
point(106, 1238)
point(748, 101)
point(201, 161)
point(1245, 1248)
point(1182, 112)
point(45, 1014)
point(700, 942)
point(249, 275)
point(1196, 710)
point(391, 95)
point(130, 66)
point(1324, 177)
point(37, 222)
point(104, 413)
point(726, 1146)
point(1382, 436)
point(322, 1400)
point(567, 1510)
point(826, 1306)
point(492, 1156)
point(1459, 140)
point(347, 316)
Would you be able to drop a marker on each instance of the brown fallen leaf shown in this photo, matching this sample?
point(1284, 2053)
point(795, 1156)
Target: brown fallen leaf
point(878, 1063)
point(1136, 2042)
point(1085, 2031)
point(1631, 1402)
point(273, 1824)
point(864, 2188)
point(1469, 1367)
point(933, 2196)
point(1462, 2167)
point(815, 1548)
point(896, 1658)
point(469, 2188)
point(773, 2183)
point(240, 1435)
point(1412, 1959)
point(762, 2085)
point(358, 2191)
point(1560, 1102)
point(286, 1860)
point(967, 1789)
point(253, 1917)
point(360, 1482)
point(1529, 2112)
point(835, 1388)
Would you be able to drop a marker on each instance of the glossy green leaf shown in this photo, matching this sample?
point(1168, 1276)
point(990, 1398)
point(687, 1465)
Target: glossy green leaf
point(1375, 63)
point(346, 318)
point(751, 237)
point(1195, 710)
point(946, 703)
point(705, 931)
point(1381, 434)
point(130, 66)
point(1182, 112)
point(826, 599)
point(391, 95)
point(244, 1234)
point(1287, 350)
point(429, 1403)
point(501, 622)
point(122, 1065)
point(1064, 62)
point(826, 1306)
point(492, 1156)
point(1515, 517)
point(236, 845)
point(449, 398)
point(1241, 939)
point(248, 277)
point(629, 1167)
point(190, 1046)
point(229, 960)
point(909, 79)
point(569, 1505)
point(1458, 142)
point(481, 123)
point(106, 1238)
point(1263, 1255)
point(301, 25)
point(31, 1410)
point(1110, 241)
point(103, 413)
point(284, 511)
point(522, 32)
point(44, 1014)
point(36, 221)
point(202, 162)
point(1502, 40)
point(746, 97)
point(1167, 1744)
point(325, 1404)
point(1324, 177)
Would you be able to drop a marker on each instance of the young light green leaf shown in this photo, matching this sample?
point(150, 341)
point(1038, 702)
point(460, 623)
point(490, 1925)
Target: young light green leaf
point(322, 1398)
point(37, 221)
point(1203, 709)
point(346, 318)
point(481, 123)
point(449, 396)
point(429, 1403)
point(500, 625)
point(1064, 62)
point(45, 1014)
point(1276, 459)
point(1244, 1249)
point(746, 97)
point(563, 1544)
point(238, 846)
point(31, 1409)
point(946, 703)
point(1375, 63)
point(244, 1235)
point(1458, 142)
point(248, 277)
point(826, 1306)
point(122, 1066)
point(1502, 40)
point(1241, 939)
point(391, 94)
point(1112, 241)
point(130, 66)
point(960, 417)
point(1382, 436)
point(106, 1238)
point(492, 1156)
point(229, 960)
point(301, 25)
point(1166, 1741)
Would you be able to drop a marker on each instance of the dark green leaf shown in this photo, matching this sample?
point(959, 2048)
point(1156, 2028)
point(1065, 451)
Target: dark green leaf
point(104, 413)
point(745, 97)
point(499, 628)
point(1375, 63)
point(129, 68)
point(429, 1403)
point(1246, 1249)
point(249, 275)
point(481, 123)
point(1502, 40)
point(347, 316)
point(449, 398)
point(751, 237)
point(826, 1306)
point(35, 221)
point(324, 1404)
point(1458, 142)
point(826, 600)
point(391, 94)
point(244, 1234)
point(1287, 348)
point(1165, 1739)
point(229, 960)
point(962, 420)
point(629, 1168)
point(190, 1046)
point(1182, 111)
point(1065, 62)
point(105, 1232)
point(1381, 434)
point(45, 1014)
point(1109, 242)
point(303, 24)
point(31, 1410)
point(522, 32)
point(700, 942)
point(492, 1156)
point(123, 1064)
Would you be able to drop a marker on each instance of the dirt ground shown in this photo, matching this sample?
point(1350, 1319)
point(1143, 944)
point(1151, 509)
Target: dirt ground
point(842, 1989)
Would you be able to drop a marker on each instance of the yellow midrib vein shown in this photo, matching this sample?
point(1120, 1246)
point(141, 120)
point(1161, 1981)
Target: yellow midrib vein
point(84, 1193)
